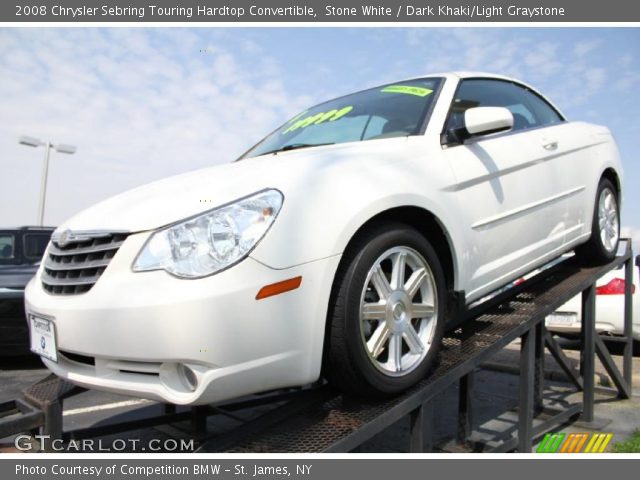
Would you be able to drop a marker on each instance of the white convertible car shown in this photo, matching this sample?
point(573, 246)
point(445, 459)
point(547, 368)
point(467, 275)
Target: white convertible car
point(340, 245)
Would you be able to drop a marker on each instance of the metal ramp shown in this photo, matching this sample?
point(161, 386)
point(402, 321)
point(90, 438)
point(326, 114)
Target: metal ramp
point(319, 419)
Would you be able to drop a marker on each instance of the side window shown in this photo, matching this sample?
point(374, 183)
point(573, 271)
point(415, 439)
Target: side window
point(528, 109)
point(35, 245)
point(545, 113)
point(6, 247)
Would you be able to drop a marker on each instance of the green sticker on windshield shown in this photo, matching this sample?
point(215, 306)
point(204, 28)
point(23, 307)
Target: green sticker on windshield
point(317, 118)
point(297, 116)
point(409, 90)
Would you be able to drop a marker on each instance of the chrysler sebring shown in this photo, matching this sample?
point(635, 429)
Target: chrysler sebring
point(339, 246)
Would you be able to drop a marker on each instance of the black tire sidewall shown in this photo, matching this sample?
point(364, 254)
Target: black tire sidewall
point(599, 250)
point(353, 285)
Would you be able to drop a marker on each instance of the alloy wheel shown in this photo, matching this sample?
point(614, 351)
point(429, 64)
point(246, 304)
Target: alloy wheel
point(608, 219)
point(398, 311)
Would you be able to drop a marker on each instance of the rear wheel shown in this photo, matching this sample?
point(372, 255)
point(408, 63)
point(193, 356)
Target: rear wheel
point(605, 228)
point(387, 315)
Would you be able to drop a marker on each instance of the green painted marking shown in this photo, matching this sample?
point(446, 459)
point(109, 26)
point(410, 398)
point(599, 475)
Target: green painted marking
point(409, 90)
point(549, 447)
point(542, 447)
point(558, 442)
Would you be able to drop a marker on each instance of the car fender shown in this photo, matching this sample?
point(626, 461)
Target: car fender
point(313, 229)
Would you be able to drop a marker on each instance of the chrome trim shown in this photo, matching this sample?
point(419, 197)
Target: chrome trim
point(84, 250)
point(73, 268)
point(79, 266)
point(65, 237)
point(62, 282)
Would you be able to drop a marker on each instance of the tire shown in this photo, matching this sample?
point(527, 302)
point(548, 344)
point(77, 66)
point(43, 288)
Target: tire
point(365, 286)
point(605, 227)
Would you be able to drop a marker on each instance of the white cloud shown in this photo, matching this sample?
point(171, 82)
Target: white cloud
point(567, 74)
point(586, 46)
point(628, 82)
point(140, 104)
point(143, 103)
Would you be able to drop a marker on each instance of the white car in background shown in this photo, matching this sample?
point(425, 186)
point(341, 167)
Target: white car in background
point(338, 245)
point(609, 307)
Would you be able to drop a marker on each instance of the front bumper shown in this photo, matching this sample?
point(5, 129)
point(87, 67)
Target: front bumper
point(132, 332)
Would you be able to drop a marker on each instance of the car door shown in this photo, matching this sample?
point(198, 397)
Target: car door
point(568, 150)
point(507, 187)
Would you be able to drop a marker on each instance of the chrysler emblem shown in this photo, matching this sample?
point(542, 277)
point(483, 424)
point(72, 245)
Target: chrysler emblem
point(64, 238)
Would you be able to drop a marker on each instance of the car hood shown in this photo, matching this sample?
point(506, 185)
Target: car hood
point(174, 198)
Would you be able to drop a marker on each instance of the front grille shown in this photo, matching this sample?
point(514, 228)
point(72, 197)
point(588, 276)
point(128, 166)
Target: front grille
point(75, 267)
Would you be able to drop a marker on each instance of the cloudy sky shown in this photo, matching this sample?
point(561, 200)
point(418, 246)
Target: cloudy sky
point(145, 103)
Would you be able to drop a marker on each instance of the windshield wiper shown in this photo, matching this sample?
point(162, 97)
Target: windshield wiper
point(295, 146)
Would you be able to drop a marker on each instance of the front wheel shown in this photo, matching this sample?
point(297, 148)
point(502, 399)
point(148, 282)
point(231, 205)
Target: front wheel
point(387, 314)
point(605, 229)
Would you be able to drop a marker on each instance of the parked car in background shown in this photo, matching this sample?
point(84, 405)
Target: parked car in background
point(21, 251)
point(337, 245)
point(609, 307)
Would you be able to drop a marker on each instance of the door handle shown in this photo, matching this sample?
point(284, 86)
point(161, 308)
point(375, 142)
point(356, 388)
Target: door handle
point(549, 143)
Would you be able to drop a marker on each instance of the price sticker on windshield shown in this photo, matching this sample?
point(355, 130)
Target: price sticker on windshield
point(407, 89)
point(318, 118)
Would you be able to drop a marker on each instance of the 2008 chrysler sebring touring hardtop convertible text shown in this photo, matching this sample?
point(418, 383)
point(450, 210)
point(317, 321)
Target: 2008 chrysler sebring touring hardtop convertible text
point(332, 247)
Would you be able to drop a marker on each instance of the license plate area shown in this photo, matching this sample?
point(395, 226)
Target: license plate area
point(562, 318)
point(42, 332)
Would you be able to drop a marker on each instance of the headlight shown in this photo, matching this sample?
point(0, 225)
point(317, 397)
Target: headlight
point(211, 241)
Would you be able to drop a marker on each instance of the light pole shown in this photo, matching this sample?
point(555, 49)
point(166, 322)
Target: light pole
point(35, 142)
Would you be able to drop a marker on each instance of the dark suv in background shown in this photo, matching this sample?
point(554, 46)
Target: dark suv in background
point(21, 250)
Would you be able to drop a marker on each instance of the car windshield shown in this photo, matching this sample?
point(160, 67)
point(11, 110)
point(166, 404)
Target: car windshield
point(393, 110)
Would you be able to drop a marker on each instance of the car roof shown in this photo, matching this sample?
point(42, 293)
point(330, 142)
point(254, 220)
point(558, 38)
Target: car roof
point(462, 74)
point(27, 228)
point(470, 74)
point(467, 74)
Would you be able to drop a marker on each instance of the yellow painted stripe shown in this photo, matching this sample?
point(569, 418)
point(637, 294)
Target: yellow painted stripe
point(583, 439)
point(567, 442)
point(594, 437)
point(596, 445)
point(605, 442)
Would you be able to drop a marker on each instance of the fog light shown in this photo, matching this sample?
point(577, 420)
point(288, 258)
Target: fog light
point(188, 376)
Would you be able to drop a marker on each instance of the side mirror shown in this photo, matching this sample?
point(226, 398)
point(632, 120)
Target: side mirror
point(479, 121)
point(486, 120)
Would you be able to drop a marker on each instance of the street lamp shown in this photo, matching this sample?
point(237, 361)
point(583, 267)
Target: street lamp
point(35, 142)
